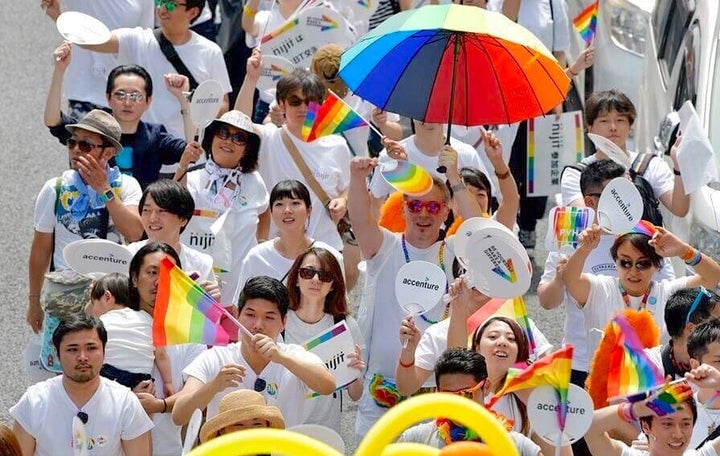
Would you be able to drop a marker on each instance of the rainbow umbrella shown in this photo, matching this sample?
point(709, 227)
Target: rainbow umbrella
point(455, 64)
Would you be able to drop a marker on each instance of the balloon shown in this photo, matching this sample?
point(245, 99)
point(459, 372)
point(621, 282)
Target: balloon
point(258, 441)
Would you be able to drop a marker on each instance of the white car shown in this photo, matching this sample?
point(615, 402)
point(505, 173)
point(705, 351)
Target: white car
point(619, 45)
point(681, 63)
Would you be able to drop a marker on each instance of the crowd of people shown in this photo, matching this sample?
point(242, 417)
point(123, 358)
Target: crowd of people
point(303, 224)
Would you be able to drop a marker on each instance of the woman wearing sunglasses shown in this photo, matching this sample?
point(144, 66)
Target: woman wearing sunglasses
point(316, 289)
point(228, 186)
point(638, 255)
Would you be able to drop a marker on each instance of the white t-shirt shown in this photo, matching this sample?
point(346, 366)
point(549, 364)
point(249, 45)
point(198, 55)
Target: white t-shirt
point(191, 260)
point(86, 77)
point(380, 315)
point(201, 56)
point(284, 390)
point(605, 299)
point(238, 232)
point(266, 22)
point(507, 406)
point(434, 342)
point(467, 156)
point(549, 24)
point(323, 410)
point(328, 158)
point(68, 228)
point(46, 412)
point(599, 262)
point(658, 174)
point(706, 450)
point(129, 345)
point(265, 260)
point(166, 435)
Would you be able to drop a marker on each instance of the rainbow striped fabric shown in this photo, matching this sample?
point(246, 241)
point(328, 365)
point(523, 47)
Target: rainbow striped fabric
point(586, 22)
point(333, 117)
point(630, 370)
point(553, 369)
point(184, 313)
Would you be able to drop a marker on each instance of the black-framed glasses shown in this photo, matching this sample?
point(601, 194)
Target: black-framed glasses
point(168, 4)
point(309, 273)
point(122, 95)
point(416, 206)
point(240, 138)
point(84, 146)
point(702, 297)
point(83, 417)
point(260, 385)
point(640, 265)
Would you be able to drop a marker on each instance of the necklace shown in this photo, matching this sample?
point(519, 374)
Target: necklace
point(643, 303)
point(441, 263)
point(713, 422)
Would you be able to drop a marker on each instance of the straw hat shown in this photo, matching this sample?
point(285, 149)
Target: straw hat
point(240, 406)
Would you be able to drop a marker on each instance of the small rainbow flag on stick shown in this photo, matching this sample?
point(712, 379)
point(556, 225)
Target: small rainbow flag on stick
point(184, 313)
point(586, 22)
point(333, 117)
point(523, 320)
point(630, 370)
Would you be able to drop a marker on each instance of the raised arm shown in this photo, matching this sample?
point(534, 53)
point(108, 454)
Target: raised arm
point(244, 101)
point(367, 231)
point(552, 292)
point(707, 271)
point(390, 129)
point(577, 283)
point(248, 17)
point(61, 57)
point(409, 377)
point(468, 206)
point(507, 211)
point(597, 438)
point(178, 85)
point(197, 394)
point(676, 200)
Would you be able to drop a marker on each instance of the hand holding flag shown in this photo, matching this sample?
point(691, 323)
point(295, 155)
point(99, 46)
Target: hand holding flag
point(586, 22)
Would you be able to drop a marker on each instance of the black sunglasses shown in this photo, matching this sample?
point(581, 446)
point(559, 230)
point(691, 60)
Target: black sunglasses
point(260, 385)
point(640, 265)
point(84, 146)
point(237, 138)
point(83, 417)
point(309, 273)
point(297, 101)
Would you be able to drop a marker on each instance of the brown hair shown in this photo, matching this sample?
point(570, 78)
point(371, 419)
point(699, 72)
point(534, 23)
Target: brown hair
point(9, 445)
point(335, 302)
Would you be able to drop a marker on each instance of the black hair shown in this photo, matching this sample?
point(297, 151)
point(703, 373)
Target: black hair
point(476, 178)
point(459, 360)
point(595, 174)
point(641, 242)
point(136, 70)
point(171, 196)
point(267, 288)
point(118, 285)
point(199, 4)
point(701, 337)
point(678, 305)
point(310, 85)
point(292, 189)
point(78, 322)
point(139, 258)
point(601, 103)
point(249, 159)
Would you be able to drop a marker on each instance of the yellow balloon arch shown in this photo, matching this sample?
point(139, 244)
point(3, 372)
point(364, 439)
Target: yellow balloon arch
point(378, 440)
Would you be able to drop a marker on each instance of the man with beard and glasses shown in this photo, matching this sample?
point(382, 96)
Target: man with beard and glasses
point(115, 422)
point(282, 373)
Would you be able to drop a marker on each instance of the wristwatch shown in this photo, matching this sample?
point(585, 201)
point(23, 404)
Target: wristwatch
point(107, 196)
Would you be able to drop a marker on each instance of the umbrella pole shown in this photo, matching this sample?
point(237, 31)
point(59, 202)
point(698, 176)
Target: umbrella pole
point(456, 56)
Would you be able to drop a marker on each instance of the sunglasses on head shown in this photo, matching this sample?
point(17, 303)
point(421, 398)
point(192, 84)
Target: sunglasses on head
point(702, 297)
point(83, 417)
point(238, 138)
point(640, 265)
point(260, 385)
point(416, 206)
point(168, 4)
point(84, 146)
point(122, 95)
point(297, 101)
point(468, 393)
point(309, 273)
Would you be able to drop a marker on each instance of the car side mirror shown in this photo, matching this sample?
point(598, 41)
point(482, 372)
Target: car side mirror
point(667, 133)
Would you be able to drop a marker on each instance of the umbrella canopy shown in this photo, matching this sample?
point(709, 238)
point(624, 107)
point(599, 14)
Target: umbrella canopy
point(455, 64)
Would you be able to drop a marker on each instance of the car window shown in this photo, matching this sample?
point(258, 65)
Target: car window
point(659, 19)
point(688, 80)
point(677, 15)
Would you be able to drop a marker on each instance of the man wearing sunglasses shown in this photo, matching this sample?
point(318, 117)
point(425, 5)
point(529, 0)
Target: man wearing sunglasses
point(463, 372)
point(202, 58)
point(386, 252)
point(283, 373)
point(92, 200)
point(114, 421)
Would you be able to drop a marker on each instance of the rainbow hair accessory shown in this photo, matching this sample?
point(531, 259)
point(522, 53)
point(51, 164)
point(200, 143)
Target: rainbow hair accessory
point(643, 227)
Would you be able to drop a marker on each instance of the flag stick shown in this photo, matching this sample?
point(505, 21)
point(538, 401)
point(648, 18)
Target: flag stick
point(262, 35)
point(236, 322)
point(372, 127)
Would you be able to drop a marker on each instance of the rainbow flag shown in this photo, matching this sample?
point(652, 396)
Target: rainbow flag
point(586, 22)
point(334, 116)
point(184, 313)
point(669, 394)
point(567, 224)
point(523, 320)
point(630, 370)
point(553, 369)
point(511, 308)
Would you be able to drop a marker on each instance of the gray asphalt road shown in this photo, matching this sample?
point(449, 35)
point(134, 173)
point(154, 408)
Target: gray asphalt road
point(31, 156)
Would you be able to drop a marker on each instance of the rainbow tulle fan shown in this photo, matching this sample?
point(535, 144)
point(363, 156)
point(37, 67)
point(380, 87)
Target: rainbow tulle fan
point(406, 177)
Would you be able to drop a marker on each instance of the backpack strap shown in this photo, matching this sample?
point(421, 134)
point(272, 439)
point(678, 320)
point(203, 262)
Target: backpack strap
point(58, 185)
point(172, 56)
point(641, 163)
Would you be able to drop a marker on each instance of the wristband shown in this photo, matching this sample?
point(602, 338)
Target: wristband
point(184, 112)
point(688, 255)
point(572, 72)
point(676, 172)
point(695, 259)
point(408, 365)
point(504, 175)
point(164, 406)
point(625, 412)
point(33, 295)
point(249, 11)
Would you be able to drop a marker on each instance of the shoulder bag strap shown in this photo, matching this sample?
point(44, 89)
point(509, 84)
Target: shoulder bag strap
point(172, 56)
point(304, 170)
